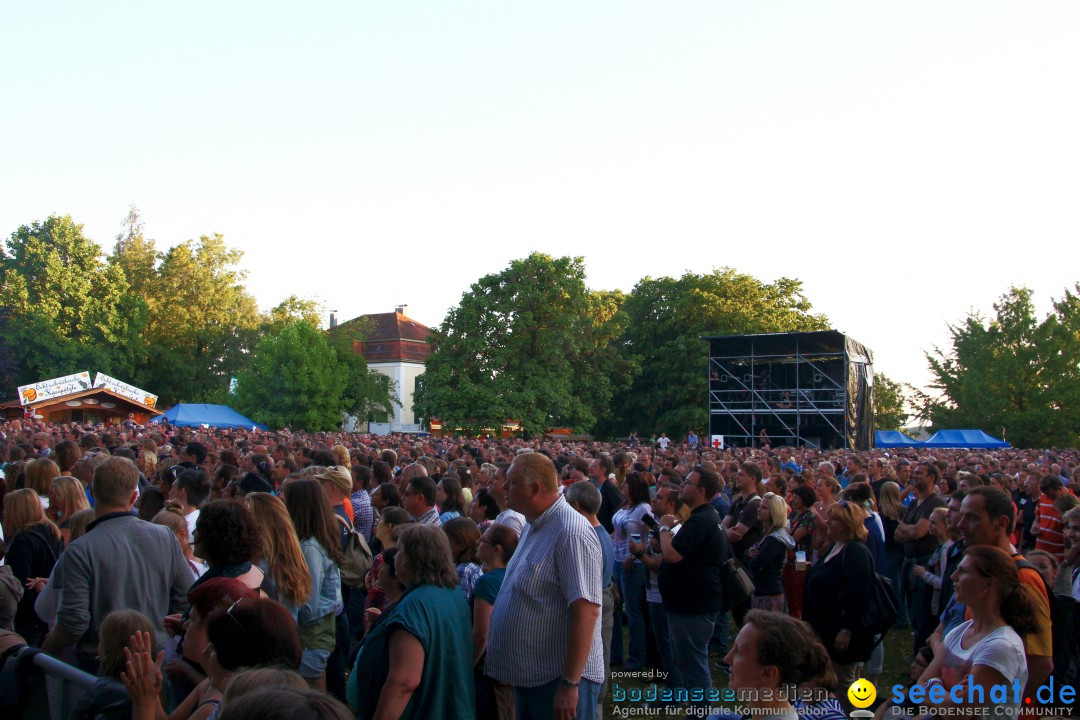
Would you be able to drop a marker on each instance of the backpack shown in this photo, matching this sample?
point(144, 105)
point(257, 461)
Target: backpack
point(1065, 623)
point(357, 556)
point(1064, 628)
point(883, 608)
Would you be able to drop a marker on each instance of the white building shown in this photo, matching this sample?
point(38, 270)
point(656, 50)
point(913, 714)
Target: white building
point(397, 347)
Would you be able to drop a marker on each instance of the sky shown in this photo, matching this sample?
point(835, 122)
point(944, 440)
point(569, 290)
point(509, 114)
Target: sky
point(909, 162)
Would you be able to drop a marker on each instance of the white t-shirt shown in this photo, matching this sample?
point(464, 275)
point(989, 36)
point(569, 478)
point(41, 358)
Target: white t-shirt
point(511, 519)
point(191, 519)
point(1001, 650)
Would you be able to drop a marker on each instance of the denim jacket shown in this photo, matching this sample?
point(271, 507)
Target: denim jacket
point(325, 584)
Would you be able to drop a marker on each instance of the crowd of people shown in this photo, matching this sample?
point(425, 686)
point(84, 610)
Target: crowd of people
point(238, 573)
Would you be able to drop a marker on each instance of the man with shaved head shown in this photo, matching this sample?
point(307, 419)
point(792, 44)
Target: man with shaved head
point(544, 638)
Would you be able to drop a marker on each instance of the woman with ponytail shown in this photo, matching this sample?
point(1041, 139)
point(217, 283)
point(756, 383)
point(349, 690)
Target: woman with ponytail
point(986, 650)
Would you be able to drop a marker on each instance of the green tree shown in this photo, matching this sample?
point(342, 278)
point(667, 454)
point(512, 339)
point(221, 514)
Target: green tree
point(66, 307)
point(890, 402)
point(297, 308)
point(529, 344)
point(665, 321)
point(203, 323)
point(1011, 373)
point(293, 379)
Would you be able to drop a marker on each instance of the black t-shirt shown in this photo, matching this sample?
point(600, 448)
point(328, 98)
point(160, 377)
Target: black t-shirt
point(692, 586)
point(1028, 510)
point(610, 502)
point(744, 510)
point(916, 512)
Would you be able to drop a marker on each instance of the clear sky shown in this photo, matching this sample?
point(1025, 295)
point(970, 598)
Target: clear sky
point(907, 161)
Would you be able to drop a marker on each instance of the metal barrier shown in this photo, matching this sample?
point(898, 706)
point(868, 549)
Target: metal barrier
point(60, 689)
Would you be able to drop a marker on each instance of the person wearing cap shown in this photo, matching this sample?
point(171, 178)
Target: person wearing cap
point(336, 482)
point(250, 483)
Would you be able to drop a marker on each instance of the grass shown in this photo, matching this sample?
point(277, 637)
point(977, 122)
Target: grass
point(897, 651)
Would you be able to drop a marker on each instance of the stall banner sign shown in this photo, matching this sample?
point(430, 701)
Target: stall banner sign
point(101, 380)
point(57, 387)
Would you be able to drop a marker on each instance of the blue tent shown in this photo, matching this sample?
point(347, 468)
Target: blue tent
point(963, 439)
point(197, 415)
point(894, 439)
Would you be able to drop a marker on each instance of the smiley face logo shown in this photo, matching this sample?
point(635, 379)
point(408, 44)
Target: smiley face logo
point(862, 693)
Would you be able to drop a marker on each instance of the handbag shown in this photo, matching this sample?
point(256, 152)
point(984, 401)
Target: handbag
point(738, 587)
point(734, 579)
point(883, 608)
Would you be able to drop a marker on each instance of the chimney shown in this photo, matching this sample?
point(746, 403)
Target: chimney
point(400, 308)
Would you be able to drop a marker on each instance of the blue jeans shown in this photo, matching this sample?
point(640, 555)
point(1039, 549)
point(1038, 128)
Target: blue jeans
point(720, 642)
point(633, 592)
point(538, 703)
point(690, 642)
point(659, 619)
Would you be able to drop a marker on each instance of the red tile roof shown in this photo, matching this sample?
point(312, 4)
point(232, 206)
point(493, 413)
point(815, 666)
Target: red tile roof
point(393, 336)
point(396, 326)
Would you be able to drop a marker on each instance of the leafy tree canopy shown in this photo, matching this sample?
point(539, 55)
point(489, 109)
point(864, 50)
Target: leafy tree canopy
point(293, 379)
point(529, 344)
point(1012, 372)
point(889, 403)
point(179, 323)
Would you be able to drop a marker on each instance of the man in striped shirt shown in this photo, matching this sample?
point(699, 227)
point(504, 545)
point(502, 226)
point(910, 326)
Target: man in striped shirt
point(1050, 533)
point(544, 638)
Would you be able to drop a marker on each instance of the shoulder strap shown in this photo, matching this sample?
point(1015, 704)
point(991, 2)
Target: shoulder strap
point(1022, 563)
point(345, 521)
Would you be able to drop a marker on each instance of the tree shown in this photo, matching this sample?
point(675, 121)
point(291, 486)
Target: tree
point(293, 379)
point(297, 308)
point(1011, 372)
point(65, 306)
point(529, 344)
point(665, 321)
point(136, 256)
point(203, 323)
point(890, 411)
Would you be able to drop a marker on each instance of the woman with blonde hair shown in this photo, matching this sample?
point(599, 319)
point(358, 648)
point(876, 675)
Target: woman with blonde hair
point(827, 489)
point(341, 453)
point(34, 545)
point(172, 517)
point(768, 555)
point(107, 698)
point(66, 497)
point(282, 559)
point(147, 462)
point(838, 589)
point(39, 476)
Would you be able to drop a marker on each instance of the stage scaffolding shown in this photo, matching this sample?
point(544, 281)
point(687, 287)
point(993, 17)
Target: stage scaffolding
point(810, 389)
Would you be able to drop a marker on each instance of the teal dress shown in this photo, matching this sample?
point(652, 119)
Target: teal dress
point(439, 618)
